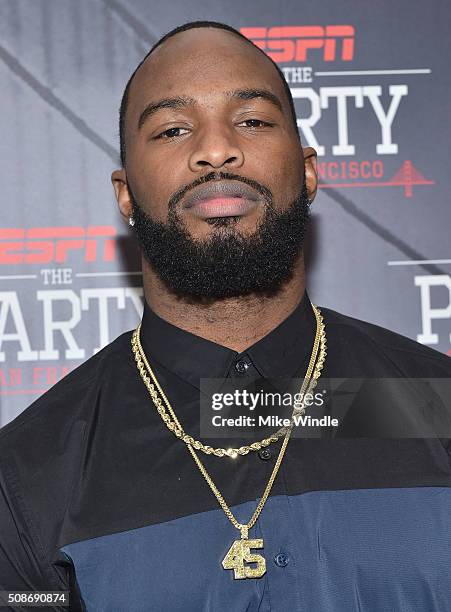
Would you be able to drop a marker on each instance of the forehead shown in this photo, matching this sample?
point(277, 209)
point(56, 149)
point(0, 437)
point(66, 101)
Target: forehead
point(201, 63)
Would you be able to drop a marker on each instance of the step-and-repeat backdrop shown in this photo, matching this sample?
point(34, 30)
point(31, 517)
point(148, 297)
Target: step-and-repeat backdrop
point(371, 83)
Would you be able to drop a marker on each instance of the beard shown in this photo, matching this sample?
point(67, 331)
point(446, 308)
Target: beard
point(226, 264)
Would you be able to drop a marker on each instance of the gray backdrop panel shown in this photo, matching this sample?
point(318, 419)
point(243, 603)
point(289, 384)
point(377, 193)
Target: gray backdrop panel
point(378, 244)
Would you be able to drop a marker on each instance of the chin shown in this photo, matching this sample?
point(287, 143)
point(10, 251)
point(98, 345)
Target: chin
point(223, 221)
point(206, 228)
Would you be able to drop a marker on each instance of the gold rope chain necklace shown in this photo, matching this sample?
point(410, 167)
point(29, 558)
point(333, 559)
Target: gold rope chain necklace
point(240, 551)
point(171, 420)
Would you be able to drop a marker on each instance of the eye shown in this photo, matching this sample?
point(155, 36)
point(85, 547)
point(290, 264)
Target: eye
point(173, 132)
point(256, 123)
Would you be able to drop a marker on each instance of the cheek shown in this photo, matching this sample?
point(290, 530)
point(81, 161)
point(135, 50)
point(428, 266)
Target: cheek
point(282, 174)
point(153, 184)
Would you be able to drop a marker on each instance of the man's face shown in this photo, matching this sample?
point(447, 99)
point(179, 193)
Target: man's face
point(204, 106)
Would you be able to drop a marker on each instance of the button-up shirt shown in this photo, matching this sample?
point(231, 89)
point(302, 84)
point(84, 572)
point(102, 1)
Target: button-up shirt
point(99, 498)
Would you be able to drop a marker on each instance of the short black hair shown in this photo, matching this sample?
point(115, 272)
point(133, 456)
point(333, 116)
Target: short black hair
point(189, 26)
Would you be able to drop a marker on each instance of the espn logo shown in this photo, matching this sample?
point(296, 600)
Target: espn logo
point(53, 244)
point(294, 43)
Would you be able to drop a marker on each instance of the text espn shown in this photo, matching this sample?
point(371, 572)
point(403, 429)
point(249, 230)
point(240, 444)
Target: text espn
point(294, 43)
point(38, 245)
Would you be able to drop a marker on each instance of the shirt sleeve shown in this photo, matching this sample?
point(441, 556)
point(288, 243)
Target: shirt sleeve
point(22, 559)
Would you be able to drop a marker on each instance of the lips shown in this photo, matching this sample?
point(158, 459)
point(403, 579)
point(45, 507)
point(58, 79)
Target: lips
point(221, 199)
point(222, 207)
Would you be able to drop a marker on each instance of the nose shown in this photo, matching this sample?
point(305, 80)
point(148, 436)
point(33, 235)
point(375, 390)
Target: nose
point(216, 147)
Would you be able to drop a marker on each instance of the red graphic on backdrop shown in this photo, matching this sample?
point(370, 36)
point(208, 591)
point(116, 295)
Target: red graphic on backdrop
point(54, 244)
point(294, 43)
point(407, 176)
point(42, 377)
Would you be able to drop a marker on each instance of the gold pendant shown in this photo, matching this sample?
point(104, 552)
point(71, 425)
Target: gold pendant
point(240, 552)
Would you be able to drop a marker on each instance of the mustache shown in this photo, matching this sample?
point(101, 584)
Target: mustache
point(214, 176)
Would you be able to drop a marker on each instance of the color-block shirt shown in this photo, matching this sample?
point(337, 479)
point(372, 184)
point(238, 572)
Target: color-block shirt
point(99, 498)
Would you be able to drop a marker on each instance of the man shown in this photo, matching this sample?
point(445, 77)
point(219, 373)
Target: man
point(100, 498)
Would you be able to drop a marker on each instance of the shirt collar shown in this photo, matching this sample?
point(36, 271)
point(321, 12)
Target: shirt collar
point(283, 353)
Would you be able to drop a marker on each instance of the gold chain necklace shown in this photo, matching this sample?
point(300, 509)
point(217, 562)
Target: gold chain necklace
point(240, 551)
point(171, 420)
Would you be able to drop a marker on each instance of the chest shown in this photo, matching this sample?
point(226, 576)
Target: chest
point(338, 551)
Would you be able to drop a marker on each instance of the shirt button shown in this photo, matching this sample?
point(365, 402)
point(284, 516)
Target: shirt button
point(241, 366)
point(265, 454)
point(281, 559)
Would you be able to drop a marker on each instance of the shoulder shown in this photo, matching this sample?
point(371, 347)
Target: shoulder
point(372, 344)
point(46, 450)
point(68, 401)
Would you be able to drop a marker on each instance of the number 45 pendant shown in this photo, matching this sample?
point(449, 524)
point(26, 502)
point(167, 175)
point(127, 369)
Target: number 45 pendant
point(240, 553)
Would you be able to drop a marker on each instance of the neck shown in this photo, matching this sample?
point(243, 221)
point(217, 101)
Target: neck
point(235, 323)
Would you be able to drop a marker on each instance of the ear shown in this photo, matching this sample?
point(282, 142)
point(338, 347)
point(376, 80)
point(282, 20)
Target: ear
point(119, 180)
point(311, 176)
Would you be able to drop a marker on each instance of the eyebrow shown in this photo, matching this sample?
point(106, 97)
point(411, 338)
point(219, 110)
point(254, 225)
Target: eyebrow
point(184, 101)
point(153, 107)
point(252, 94)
